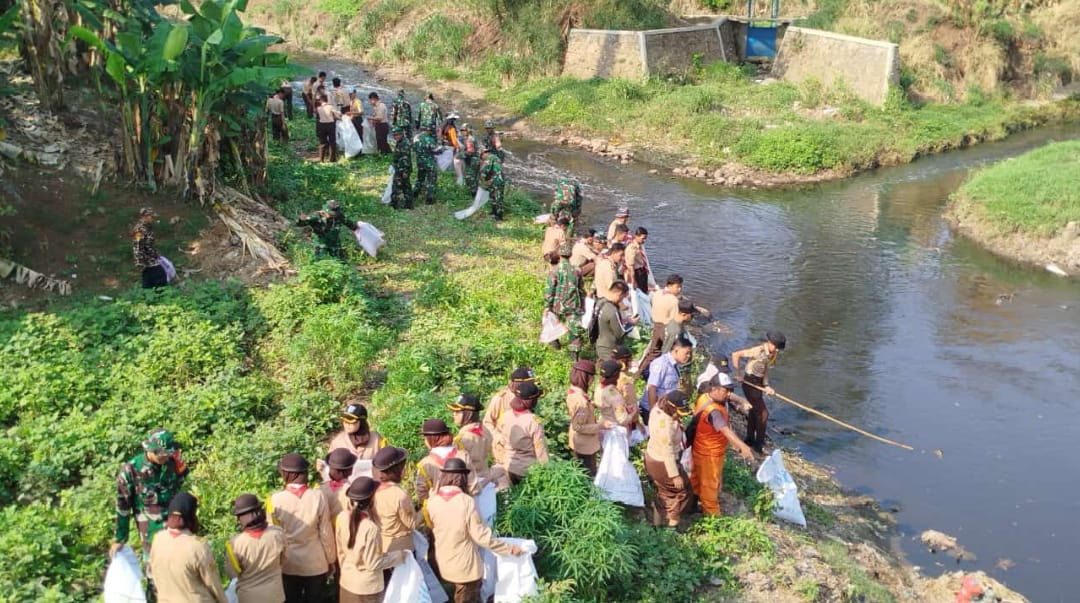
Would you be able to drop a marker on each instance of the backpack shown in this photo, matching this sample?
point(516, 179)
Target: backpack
point(594, 327)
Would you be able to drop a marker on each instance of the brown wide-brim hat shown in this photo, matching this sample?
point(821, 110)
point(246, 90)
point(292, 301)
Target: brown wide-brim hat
point(388, 457)
point(434, 427)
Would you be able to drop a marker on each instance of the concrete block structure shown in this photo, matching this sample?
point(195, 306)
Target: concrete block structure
point(636, 54)
point(867, 67)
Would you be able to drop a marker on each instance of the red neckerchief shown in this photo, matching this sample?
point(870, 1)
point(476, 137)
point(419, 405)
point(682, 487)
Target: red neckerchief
point(586, 396)
point(336, 484)
point(518, 413)
point(256, 534)
point(448, 492)
point(439, 460)
point(477, 429)
point(175, 533)
point(297, 489)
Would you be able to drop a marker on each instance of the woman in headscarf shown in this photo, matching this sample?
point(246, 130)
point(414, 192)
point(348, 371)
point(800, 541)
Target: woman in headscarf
point(523, 434)
point(584, 436)
point(183, 566)
point(359, 547)
point(254, 555)
point(356, 435)
point(309, 536)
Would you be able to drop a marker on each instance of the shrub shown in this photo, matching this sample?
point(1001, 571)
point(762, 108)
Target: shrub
point(804, 150)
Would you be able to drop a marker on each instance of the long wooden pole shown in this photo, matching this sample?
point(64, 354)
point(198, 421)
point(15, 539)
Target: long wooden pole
point(834, 420)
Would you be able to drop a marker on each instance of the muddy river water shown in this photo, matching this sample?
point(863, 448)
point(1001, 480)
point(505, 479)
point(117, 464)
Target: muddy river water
point(893, 324)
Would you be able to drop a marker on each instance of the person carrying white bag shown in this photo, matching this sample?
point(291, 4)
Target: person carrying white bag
point(359, 548)
point(517, 574)
point(460, 533)
point(123, 579)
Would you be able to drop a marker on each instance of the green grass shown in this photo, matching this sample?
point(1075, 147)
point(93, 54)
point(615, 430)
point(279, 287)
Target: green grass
point(1035, 193)
point(860, 587)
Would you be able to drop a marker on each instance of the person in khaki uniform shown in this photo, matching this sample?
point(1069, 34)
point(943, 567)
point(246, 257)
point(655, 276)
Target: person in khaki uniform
point(523, 434)
point(441, 448)
point(622, 218)
point(254, 555)
point(608, 269)
point(459, 533)
point(340, 465)
point(475, 440)
point(554, 237)
point(499, 405)
point(613, 407)
point(356, 434)
point(584, 436)
point(662, 458)
point(637, 266)
point(627, 376)
point(391, 505)
point(304, 515)
point(359, 547)
point(182, 564)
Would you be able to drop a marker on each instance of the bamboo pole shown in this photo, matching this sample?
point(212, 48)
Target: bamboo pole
point(834, 420)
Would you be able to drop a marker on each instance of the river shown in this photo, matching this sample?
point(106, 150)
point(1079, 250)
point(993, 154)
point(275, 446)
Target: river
point(894, 325)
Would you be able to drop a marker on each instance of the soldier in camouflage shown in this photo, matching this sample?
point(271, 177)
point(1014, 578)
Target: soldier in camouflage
point(145, 251)
point(402, 190)
point(426, 171)
point(324, 223)
point(144, 487)
point(428, 114)
point(401, 114)
point(494, 181)
point(469, 154)
point(492, 143)
point(564, 295)
point(567, 201)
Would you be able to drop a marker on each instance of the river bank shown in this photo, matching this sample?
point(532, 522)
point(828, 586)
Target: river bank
point(1026, 209)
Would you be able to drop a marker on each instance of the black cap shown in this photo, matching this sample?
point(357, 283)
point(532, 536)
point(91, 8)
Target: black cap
point(246, 503)
point(294, 463)
point(620, 352)
point(685, 307)
point(434, 427)
point(777, 338)
point(455, 465)
point(341, 459)
point(528, 391)
point(362, 489)
point(465, 402)
point(388, 457)
point(610, 368)
point(679, 400)
point(585, 366)
point(521, 374)
point(184, 505)
point(354, 412)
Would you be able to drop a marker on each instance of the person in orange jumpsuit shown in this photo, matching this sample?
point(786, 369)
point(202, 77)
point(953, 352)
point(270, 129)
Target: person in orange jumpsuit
point(709, 435)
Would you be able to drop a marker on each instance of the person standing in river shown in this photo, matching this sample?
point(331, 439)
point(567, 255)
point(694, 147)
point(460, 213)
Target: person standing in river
point(494, 181)
point(145, 251)
point(427, 173)
point(379, 122)
point(755, 382)
point(401, 115)
point(402, 194)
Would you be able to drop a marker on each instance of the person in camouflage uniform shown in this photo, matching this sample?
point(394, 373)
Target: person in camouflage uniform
point(324, 223)
point(567, 202)
point(428, 114)
point(469, 154)
point(401, 114)
point(427, 172)
point(564, 295)
point(494, 181)
point(402, 191)
point(492, 142)
point(145, 251)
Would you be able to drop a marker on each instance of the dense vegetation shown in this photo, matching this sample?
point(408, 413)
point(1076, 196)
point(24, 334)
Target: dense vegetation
point(1035, 193)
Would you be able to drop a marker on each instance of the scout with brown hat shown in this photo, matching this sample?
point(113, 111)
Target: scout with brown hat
point(254, 555)
point(524, 435)
point(584, 436)
point(758, 360)
point(613, 407)
point(441, 448)
point(499, 405)
point(339, 464)
point(359, 545)
point(391, 505)
point(459, 533)
point(475, 440)
point(304, 514)
point(662, 457)
point(356, 435)
point(182, 564)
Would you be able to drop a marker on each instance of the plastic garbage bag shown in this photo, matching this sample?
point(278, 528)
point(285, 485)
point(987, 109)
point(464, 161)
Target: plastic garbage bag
point(407, 583)
point(542, 219)
point(587, 317)
point(445, 158)
point(348, 138)
point(642, 305)
point(370, 145)
point(459, 170)
point(687, 460)
point(517, 574)
point(369, 238)
point(434, 587)
point(388, 193)
point(551, 329)
point(773, 473)
point(639, 435)
point(491, 574)
point(482, 196)
point(170, 270)
point(123, 579)
point(230, 592)
point(707, 375)
point(616, 476)
point(486, 504)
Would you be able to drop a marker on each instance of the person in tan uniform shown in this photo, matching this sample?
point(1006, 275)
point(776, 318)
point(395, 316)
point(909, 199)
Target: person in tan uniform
point(356, 435)
point(584, 436)
point(304, 515)
point(459, 533)
point(613, 407)
point(441, 448)
point(662, 458)
point(608, 269)
point(625, 385)
point(275, 106)
point(325, 129)
point(637, 267)
point(475, 440)
point(554, 237)
point(585, 251)
point(393, 509)
point(622, 217)
point(340, 464)
point(182, 564)
point(665, 306)
point(254, 555)
point(756, 384)
point(359, 547)
point(499, 405)
point(523, 434)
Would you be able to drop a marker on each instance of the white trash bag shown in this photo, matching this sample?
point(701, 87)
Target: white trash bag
point(542, 219)
point(407, 584)
point(434, 587)
point(616, 477)
point(642, 305)
point(486, 504)
point(170, 270)
point(388, 193)
point(687, 460)
point(459, 170)
point(707, 375)
point(773, 473)
point(517, 574)
point(491, 574)
point(639, 435)
point(445, 158)
point(482, 196)
point(369, 238)
point(348, 138)
point(551, 329)
point(587, 317)
point(230, 592)
point(123, 579)
point(370, 145)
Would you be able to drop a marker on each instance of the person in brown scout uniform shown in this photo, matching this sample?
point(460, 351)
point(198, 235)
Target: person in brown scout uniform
point(356, 434)
point(325, 130)
point(254, 555)
point(637, 267)
point(391, 505)
point(359, 547)
point(459, 533)
point(440, 449)
point(182, 564)
point(275, 106)
point(304, 515)
point(584, 436)
point(622, 218)
point(499, 406)
point(756, 384)
point(665, 306)
point(608, 269)
point(554, 237)
point(523, 434)
point(613, 407)
point(662, 458)
point(475, 440)
point(626, 387)
point(583, 256)
point(340, 464)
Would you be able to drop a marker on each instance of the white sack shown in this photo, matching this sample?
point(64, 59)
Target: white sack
point(542, 219)
point(642, 305)
point(482, 196)
point(445, 159)
point(687, 460)
point(707, 375)
point(517, 574)
point(230, 592)
point(616, 476)
point(551, 329)
point(370, 145)
point(388, 193)
point(459, 170)
point(587, 317)
point(491, 574)
point(369, 238)
point(123, 579)
point(170, 270)
point(348, 139)
point(407, 584)
point(639, 435)
point(434, 587)
point(773, 473)
point(486, 504)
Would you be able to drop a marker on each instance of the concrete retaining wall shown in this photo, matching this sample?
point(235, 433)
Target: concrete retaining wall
point(868, 67)
point(673, 50)
point(637, 54)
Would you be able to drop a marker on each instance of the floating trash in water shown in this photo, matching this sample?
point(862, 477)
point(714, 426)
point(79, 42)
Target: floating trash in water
point(1054, 268)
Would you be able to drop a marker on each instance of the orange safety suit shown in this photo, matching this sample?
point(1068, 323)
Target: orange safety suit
point(708, 451)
